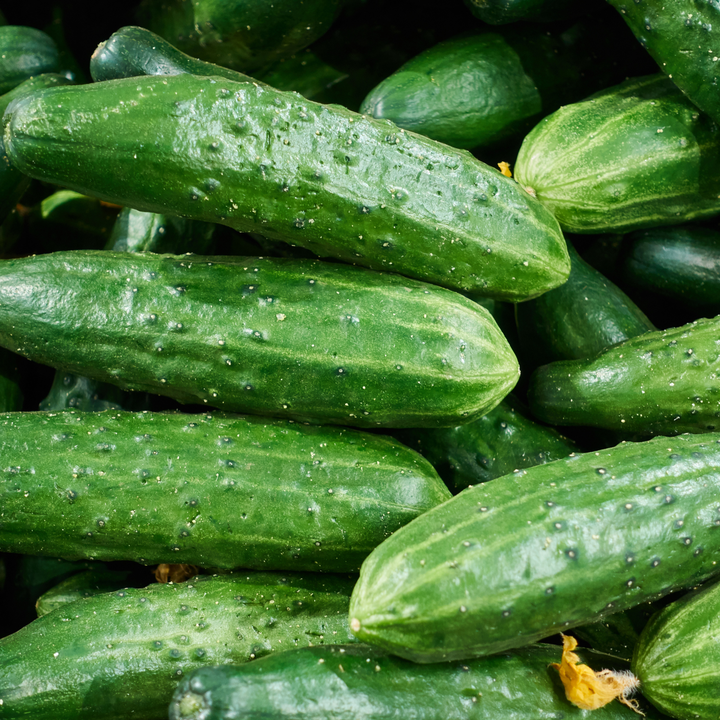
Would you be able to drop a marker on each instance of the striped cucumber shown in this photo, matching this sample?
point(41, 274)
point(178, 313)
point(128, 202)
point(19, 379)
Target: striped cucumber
point(519, 558)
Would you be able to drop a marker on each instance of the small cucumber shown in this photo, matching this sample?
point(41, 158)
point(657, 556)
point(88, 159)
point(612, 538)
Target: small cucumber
point(121, 654)
point(499, 12)
point(524, 556)
point(295, 338)
point(660, 383)
point(207, 490)
point(678, 656)
point(322, 177)
point(636, 155)
point(347, 683)
point(26, 52)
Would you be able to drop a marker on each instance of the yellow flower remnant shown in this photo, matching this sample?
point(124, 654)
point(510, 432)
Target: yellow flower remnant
point(590, 690)
point(505, 169)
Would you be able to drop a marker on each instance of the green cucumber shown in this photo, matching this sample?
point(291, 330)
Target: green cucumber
point(579, 319)
point(504, 440)
point(679, 35)
point(294, 338)
point(660, 383)
point(244, 35)
point(637, 155)
point(522, 557)
point(75, 392)
point(346, 683)
point(121, 654)
point(261, 160)
point(206, 490)
point(26, 52)
point(678, 656)
point(499, 12)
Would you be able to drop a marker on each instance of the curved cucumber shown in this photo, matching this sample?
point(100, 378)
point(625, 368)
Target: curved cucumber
point(522, 557)
point(121, 654)
point(660, 383)
point(636, 155)
point(295, 338)
point(206, 490)
point(346, 683)
point(678, 656)
point(322, 177)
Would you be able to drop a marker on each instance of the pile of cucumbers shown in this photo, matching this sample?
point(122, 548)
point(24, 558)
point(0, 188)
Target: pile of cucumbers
point(353, 353)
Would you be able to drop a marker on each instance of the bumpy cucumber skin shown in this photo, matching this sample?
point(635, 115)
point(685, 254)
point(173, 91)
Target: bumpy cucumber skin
point(637, 155)
point(26, 52)
point(206, 490)
point(678, 656)
point(681, 36)
point(660, 383)
point(347, 683)
point(120, 655)
point(302, 339)
point(503, 440)
point(580, 318)
point(322, 177)
point(515, 560)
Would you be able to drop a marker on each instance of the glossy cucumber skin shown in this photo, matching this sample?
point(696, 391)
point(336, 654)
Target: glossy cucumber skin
point(322, 177)
point(678, 656)
point(680, 263)
point(26, 52)
point(244, 35)
point(637, 155)
point(659, 383)
point(522, 557)
point(579, 319)
point(503, 440)
point(347, 683)
point(681, 37)
point(212, 491)
point(294, 338)
point(498, 12)
point(121, 654)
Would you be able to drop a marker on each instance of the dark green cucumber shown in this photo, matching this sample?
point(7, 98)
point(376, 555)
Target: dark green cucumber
point(579, 319)
point(514, 560)
point(680, 263)
point(660, 383)
point(498, 12)
point(678, 656)
point(347, 683)
point(120, 655)
point(681, 36)
point(637, 155)
point(26, 52)
point(207, 490)
point(296, 338)
point(504, 440)
point(75, 392)
point(322, 177)
point(244, 35)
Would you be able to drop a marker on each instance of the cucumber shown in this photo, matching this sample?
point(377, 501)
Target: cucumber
point(579, 319)
point(678, 656)
point(317, 176)
point(75, 392)
point(680, 37)
point(660, 383)
point(637, 155)
point(207, 490)
point(121, 654)
point(498, 12)
point(504, 440)
point(517, 559)
point(350, 682)
point(294, 338)
point(244, 35)
point(26, 52)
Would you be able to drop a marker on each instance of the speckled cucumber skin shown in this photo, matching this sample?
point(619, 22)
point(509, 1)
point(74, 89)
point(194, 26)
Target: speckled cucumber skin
point(681, 36)
point(678, 657)
point(347, 683)
point(26, 52)
point(212, 491)
point(121, 654)
point(322, 177)
point(637, 155)
point(659, 383)
point(515, 560)
point(314, 341)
